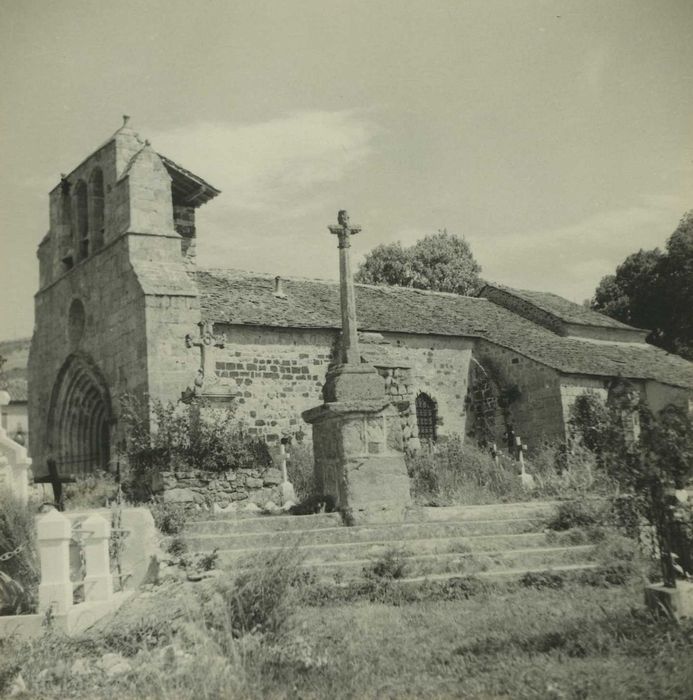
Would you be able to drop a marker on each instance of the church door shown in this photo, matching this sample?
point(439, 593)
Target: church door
point(80, 418)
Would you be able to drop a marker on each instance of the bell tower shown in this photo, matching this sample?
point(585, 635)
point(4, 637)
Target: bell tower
point(114, 290)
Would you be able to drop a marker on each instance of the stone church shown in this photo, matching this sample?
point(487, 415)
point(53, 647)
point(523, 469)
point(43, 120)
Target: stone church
point(123, 308)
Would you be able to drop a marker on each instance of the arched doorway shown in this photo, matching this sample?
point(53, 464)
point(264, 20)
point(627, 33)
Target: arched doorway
point(80, 418)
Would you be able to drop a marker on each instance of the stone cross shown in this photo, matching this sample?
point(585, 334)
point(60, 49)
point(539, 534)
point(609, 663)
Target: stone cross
point(350, 347)
point(206, 342)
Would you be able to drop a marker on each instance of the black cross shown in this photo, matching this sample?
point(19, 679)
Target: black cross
point(56, 481)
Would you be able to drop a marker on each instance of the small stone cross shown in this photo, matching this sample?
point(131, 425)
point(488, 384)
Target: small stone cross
point(344, 230)
point(206, 341)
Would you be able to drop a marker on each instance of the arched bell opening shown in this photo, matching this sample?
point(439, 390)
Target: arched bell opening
point(80, 418)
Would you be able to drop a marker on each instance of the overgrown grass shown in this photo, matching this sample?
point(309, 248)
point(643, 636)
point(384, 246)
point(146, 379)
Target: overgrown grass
point(454, 472)
point(90, 491)
point(301, 470)
point(17, 530)
point(272, 634)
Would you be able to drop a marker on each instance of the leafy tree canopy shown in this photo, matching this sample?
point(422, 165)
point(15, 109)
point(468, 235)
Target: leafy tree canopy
point(653, 289)
point(441, 262)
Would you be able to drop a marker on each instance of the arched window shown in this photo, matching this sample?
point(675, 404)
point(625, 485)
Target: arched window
point(81, 219)
point(426, 417)
point(96, 213)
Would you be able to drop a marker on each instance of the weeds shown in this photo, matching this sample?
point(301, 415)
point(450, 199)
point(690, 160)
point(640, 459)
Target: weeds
point(169, 518)
point(391, 565)
point(259, 600)
point(17, 533)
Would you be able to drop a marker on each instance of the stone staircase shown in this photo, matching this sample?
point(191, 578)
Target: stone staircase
point(494, 541)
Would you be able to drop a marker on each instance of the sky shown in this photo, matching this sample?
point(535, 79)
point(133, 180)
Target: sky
point(556, 137)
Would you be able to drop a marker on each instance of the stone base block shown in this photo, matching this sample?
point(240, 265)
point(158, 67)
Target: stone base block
point(353, 383)
point(676, 602)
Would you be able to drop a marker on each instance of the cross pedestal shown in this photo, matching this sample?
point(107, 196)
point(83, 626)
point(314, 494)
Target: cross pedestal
point(356, 431)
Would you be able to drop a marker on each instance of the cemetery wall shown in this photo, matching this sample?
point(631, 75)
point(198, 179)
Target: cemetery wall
point(223, 488)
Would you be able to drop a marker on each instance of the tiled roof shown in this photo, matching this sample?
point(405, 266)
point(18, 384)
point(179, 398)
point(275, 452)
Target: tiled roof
point(233, 297)
point(561, 308)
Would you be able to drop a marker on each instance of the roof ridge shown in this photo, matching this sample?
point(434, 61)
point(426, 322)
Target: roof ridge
point(394, 288)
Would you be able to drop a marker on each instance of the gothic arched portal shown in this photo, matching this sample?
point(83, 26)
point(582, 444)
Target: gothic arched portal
point(80, 418)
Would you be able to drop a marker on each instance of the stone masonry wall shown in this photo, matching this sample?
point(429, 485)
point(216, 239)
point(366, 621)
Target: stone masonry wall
point(277, 374)
point(113, 334)
point(537, 414)
point(243, 486)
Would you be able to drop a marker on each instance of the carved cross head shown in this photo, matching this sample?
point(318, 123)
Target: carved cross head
point(344, 229)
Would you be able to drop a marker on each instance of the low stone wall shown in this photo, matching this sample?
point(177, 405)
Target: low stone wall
point(203, 487)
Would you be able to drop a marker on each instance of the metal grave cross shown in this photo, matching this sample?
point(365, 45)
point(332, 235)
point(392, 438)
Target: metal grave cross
point(56, 481)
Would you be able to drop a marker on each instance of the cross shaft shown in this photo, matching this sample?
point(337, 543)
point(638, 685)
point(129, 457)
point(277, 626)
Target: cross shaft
point(350, 340)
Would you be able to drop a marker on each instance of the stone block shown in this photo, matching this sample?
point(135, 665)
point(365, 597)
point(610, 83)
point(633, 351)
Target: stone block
point(272, 477)
point(253, 483)
point(179, 495)
point(675, 602)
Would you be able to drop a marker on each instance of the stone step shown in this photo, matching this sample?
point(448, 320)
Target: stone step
point(208, 534)
point(264, 523)
point(536, 511)
point(531, 510)
point(372, 549)
point(499, 574)
point(461, 564)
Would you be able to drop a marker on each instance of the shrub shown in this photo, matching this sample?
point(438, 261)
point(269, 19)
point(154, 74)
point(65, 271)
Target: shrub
point(169, 518)
point(260, 599)
point(143, 633)
point(579, 514)
point(91, 491)
point(542, 579)
point(391, 565)
point(177, 546)
point(453, 472)
point(17, 530)
point(182, 437)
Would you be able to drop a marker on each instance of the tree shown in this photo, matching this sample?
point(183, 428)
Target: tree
point(654, 290)
point(441, 262)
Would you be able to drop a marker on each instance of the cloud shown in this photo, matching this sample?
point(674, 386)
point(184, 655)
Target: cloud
point(572, 259)
point(272, 166)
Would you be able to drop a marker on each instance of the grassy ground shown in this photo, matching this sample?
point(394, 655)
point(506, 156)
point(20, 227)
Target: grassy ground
point(573, 642)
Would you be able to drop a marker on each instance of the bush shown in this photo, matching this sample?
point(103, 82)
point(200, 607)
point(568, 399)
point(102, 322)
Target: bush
point(260, 599)
point(91, 491)
point(391, 565)
point(453, 472)
point(181, 437)
point(580, 514)
point(169, 518)
point(542, 579)
point(17, 530)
